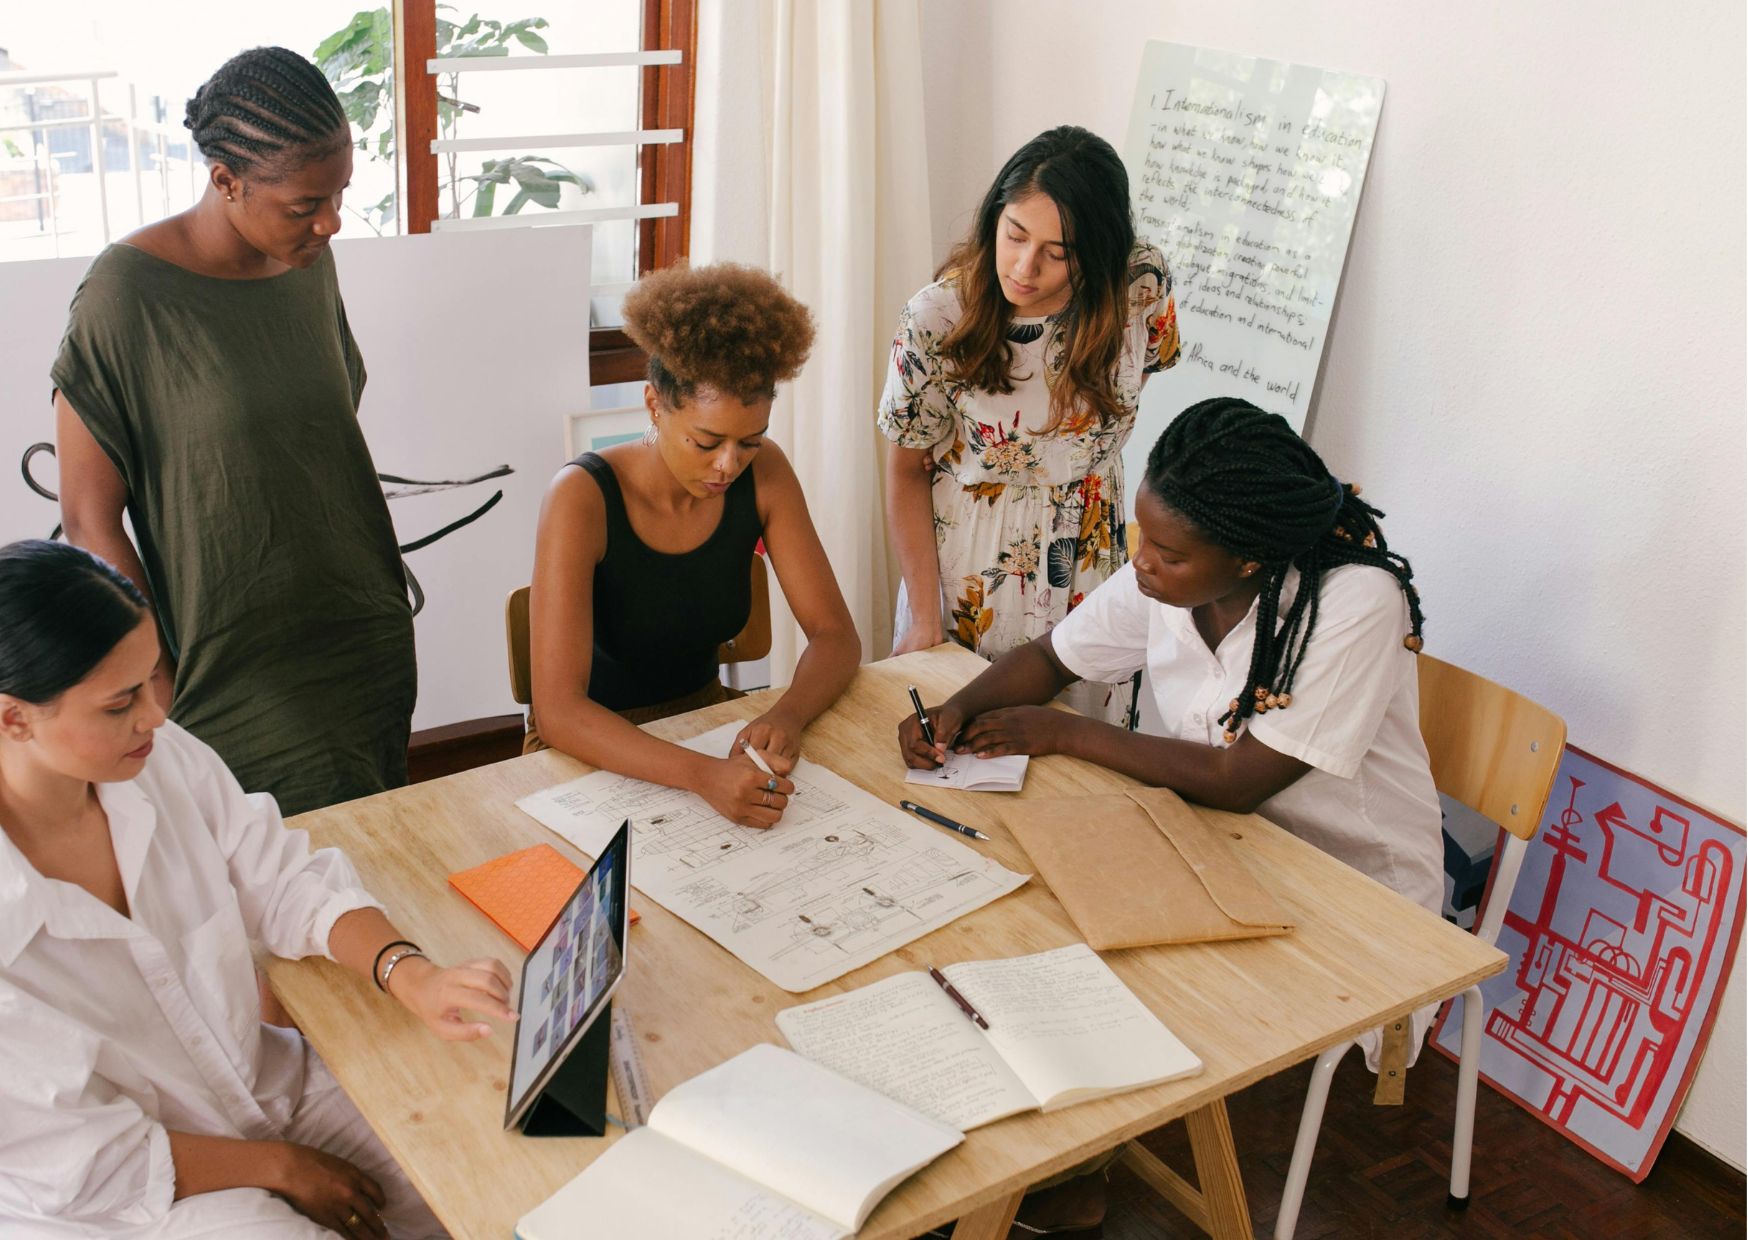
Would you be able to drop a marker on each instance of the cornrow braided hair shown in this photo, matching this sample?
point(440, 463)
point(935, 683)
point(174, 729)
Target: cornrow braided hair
point(1257, 489)
point(266, 106)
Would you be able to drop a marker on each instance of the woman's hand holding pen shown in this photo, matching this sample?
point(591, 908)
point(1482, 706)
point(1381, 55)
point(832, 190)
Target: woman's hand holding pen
point(947, 721)
point(439, 997)
point(738, 790)
point(775, 738)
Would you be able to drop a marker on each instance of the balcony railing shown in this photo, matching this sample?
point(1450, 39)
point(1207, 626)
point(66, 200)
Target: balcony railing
point(50, 204)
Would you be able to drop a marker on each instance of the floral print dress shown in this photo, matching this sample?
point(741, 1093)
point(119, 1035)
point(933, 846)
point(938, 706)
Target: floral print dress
point(1027, 522)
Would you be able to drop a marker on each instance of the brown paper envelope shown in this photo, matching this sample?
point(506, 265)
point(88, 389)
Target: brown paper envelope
point(1207, 849)
point(1140, 868)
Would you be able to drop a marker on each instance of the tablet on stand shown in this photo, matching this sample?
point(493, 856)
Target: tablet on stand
point(558, 1069)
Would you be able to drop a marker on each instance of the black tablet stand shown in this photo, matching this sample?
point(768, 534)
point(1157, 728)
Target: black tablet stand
point(574, 1102)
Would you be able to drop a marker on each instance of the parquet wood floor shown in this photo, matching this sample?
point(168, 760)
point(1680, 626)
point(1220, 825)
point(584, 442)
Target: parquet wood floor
point(1382, 1172)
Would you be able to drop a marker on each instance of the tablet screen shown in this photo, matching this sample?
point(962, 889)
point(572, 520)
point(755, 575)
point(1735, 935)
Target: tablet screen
point(569, 975)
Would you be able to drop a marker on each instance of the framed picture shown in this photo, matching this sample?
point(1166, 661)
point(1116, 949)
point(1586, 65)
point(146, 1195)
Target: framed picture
point(594, 429)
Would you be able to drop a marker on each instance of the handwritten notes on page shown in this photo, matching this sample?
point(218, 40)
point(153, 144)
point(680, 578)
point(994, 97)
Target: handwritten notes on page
point(843, 879)
point(1063, 1028)
point(1246, 173)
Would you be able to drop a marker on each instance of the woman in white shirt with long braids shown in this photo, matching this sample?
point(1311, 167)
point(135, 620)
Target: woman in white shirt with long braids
point(142, 1096)
point(1278, 631)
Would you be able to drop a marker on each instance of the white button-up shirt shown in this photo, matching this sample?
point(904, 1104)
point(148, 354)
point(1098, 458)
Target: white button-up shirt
point(116, 1029)
point(1355, 719)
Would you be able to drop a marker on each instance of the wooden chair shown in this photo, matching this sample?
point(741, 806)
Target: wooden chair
point(750, 644)
point(1496, 752)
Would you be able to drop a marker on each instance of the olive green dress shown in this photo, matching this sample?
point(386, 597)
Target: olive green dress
point(230, 409)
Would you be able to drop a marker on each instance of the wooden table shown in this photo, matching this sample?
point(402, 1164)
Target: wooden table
point(1360, 955)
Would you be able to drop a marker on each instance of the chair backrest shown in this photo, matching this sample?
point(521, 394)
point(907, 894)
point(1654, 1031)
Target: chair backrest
point(1494, 750)
point(516, 641)
point(751, 643)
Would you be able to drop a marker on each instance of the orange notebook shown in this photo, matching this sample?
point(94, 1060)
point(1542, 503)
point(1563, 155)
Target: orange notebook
point(522, 891)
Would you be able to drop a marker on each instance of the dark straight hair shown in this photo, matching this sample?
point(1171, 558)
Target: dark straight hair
point(62, 610)
point(1078, 171)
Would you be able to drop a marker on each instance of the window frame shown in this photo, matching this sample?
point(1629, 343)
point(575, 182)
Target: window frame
point(667, 100)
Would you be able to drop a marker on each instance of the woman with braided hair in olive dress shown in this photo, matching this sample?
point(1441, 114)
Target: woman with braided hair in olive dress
point(208, 387)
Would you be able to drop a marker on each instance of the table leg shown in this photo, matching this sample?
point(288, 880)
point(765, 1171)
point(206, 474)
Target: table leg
point(990, 1222)
point(1217, 1172)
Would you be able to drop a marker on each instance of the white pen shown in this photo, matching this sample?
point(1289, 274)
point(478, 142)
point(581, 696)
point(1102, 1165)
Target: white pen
point(764, 766)
point(758, 759)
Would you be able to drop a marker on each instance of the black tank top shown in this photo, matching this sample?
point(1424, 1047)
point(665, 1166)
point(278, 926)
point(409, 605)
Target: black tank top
point(658, 617)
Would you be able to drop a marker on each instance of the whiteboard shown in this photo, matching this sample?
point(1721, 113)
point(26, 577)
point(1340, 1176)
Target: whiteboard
point(1246, 173)
point(477, 346)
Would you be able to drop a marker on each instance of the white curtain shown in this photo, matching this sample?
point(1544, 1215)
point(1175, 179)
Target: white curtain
point(809, 159)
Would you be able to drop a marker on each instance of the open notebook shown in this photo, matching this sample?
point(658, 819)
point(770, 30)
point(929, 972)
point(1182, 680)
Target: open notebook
point(1062, 1029)
point(767, 1146)
point(973, 774)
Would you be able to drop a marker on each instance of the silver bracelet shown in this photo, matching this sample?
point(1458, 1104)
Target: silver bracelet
point(395, 959)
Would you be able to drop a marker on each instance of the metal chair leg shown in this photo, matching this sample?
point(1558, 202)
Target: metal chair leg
point(1468, 1067)
point(1310, 1122)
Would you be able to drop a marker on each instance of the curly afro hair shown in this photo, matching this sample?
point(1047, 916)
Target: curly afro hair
point(726, 327)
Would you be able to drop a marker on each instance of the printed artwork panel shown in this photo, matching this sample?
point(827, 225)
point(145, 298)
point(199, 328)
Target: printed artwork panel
point(1621, 931)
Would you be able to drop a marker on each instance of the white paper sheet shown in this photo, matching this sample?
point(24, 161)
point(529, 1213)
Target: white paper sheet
point(841, 881)
point(628, 1193)
point(973, 774)
point(903, 1037)
point(802, 1130)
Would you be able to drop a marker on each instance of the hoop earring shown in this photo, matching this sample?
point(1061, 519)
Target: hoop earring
point(649, 433)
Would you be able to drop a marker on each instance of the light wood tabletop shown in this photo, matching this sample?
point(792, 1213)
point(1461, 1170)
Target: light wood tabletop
point(1360, 954)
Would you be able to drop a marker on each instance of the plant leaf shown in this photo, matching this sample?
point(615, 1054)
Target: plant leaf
point(558, 172)
point(482, 203)
point(1061, 562)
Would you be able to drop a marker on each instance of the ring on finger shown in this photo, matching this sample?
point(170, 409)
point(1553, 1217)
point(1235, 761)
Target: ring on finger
point(353, 1219)
point(771, 784)
point(765, 799)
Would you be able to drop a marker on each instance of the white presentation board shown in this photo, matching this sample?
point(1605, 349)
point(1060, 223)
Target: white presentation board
point(1246, 173)
point(477, 346)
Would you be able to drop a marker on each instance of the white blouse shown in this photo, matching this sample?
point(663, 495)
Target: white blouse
point(1368, 798)
point(117, 1029)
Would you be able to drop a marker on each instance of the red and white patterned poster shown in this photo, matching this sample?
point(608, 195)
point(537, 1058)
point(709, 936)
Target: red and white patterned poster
point(1621, 932)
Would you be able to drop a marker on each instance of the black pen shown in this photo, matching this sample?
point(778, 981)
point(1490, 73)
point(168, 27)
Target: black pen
point(922, 716)
point(941, 820)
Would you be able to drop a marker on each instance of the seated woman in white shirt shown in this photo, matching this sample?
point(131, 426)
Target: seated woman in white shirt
point(1278, 632)
point(143, 1097)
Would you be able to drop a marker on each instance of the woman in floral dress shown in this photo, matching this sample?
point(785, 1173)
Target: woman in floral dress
point(1012, 389)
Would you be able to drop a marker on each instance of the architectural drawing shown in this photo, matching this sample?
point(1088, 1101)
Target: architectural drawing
point(841, 881)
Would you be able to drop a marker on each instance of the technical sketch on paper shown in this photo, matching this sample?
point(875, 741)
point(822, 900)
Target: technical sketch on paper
point(1621, 930)
point(842, 880)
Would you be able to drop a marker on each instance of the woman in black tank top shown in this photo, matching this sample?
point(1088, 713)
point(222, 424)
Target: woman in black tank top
point(642, 565)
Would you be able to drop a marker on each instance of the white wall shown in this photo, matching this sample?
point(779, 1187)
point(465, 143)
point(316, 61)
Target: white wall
point(1536, 364)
